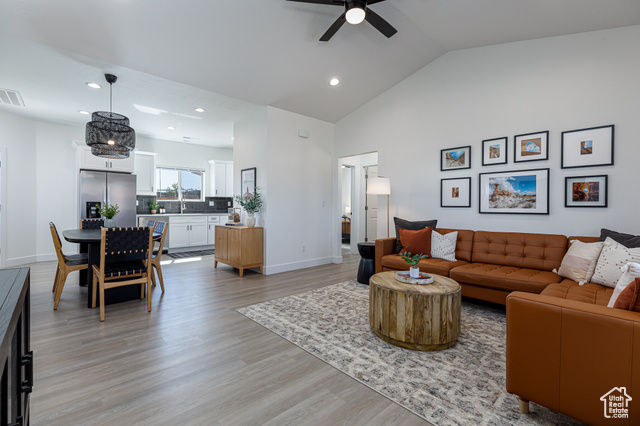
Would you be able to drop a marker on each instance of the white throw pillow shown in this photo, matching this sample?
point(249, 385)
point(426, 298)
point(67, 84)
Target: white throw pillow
point(630, 272)
point(443, 246)
point(580, 261)
point(613, 257)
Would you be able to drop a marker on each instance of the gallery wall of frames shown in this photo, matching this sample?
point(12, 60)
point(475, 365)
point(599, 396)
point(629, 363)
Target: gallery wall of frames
point(525, 189)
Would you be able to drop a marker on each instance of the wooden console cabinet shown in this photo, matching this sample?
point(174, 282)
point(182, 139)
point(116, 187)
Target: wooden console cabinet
point(16, 357)
point(239, 246)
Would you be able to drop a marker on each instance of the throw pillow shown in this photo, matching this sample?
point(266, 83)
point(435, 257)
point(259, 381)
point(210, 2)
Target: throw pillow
point(443, 246)
point(630, 272)
point(627, 240)
point(628, 299)
point(416, 242)
point(613, 257)
point(580, 261)
point(406, 224)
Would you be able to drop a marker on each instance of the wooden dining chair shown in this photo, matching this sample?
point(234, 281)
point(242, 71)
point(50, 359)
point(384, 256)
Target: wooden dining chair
point(91, 223)
point(151, 224)
point(160, 228)
point(66, 265)
point(125, 255)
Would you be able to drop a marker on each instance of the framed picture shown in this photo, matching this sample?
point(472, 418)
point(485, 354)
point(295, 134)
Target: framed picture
point(494, 151)
point(587, 147)
point(521, 191)
point(455, 192)
point(455, 158)
point(585, 191)
point(248, 180)
point(531, 147)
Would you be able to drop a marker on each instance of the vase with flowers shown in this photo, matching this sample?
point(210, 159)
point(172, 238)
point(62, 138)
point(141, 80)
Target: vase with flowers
point(251, 203)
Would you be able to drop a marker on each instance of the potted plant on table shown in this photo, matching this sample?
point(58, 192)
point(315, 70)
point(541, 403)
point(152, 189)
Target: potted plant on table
point(108, 211)
point(414, 271)
point(153, 205)
point(251, 203)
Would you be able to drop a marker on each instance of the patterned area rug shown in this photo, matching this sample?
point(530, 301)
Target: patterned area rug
point(185, 254)
point(462, 385)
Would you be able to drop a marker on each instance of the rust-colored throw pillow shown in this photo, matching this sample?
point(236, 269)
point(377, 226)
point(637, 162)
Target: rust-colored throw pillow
point(416, 241)
point(628, 299)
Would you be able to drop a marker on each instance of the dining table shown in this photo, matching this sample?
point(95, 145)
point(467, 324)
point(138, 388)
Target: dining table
point(89, 240)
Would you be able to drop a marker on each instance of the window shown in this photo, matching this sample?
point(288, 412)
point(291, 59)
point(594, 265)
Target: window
point(179, 184)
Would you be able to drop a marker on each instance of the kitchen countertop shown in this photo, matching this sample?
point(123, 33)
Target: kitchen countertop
point(181, 214)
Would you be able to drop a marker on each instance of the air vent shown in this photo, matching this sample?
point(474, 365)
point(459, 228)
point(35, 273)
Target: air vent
point(11, 97)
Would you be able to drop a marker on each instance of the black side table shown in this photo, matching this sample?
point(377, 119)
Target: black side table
point(367, 265)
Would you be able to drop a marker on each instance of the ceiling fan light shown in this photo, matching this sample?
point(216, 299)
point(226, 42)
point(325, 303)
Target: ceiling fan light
point(355, 15)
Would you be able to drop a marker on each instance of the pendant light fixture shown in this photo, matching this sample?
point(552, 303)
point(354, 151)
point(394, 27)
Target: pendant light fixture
point(108, 133)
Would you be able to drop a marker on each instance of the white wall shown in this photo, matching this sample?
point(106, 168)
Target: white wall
point(555, 84)
point(181, 154)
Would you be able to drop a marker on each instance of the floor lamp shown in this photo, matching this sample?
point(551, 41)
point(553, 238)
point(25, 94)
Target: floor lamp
point(380, 186)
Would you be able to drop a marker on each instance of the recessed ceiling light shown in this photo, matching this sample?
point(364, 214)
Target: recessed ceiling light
point(334, 82)
point(171, 128)
point(81, 111)
point(93, 85)
point(199, 109)
point(233, 139)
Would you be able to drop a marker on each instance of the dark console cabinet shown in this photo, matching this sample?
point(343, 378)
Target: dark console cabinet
point(16, 357)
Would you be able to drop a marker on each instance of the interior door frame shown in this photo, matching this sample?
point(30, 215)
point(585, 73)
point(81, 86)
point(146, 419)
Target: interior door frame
point(3, 204)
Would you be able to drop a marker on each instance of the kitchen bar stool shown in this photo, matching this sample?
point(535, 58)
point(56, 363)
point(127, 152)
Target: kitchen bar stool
point(66, 264)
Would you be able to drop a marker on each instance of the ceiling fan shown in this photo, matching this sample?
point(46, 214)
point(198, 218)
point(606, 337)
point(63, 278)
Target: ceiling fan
point(355, 12)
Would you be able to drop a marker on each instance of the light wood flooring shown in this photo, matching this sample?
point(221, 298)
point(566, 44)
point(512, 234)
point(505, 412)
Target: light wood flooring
point(193, 360)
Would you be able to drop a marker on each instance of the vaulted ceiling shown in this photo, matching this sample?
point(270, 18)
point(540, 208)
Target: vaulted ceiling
point(234, 56)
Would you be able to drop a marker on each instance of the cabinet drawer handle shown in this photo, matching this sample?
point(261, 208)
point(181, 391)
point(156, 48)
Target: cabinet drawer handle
point(27, 361)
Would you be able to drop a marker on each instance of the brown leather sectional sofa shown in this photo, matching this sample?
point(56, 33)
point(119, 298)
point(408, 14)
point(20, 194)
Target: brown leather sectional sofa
point(565, 348)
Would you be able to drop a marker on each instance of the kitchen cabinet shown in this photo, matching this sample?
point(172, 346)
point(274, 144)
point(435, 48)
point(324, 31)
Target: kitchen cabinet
point(221, 174)
point(239, 246)
point(187, 231)
point(145, 170)
point(87, 161)
point(16, 357)
point(212, 222)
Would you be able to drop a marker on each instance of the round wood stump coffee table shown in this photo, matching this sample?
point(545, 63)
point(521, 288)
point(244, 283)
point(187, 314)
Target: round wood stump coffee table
point(420, 317)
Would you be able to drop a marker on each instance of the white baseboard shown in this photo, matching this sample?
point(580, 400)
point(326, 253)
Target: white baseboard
point(19, 261)
point(337, 259)
point(286, 267)
point(47, 257)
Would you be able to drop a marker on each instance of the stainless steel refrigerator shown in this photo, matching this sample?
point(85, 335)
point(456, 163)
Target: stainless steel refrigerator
point(109, 187)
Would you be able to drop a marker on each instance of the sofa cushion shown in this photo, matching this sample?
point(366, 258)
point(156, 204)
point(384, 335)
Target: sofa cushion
point(416, 241)
point(580, 261)
point(432, 266)
point(407, 224)
point(629, 299)
point(501, 277)
point(520, 250)
point(464, 243)
point(627, 240)
point(443, 246)
point(631, 271)
point(612, 258)
point(589, 293)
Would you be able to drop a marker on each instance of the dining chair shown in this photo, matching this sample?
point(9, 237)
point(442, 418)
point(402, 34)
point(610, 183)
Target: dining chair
point(156, 257)
point(91, 223)
point(151, 224)
point(125, 255)
point(66, 264)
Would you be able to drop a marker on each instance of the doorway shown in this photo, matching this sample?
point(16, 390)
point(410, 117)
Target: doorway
point(370, 206)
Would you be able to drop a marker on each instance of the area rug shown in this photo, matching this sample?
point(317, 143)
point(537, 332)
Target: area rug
point(185, 254)
point(462, 385)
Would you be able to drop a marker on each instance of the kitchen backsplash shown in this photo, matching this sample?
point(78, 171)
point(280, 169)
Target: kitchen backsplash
point(220, 205)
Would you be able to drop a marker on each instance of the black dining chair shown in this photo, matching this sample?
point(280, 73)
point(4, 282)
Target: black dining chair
point(91, 223)
point(66, 265)
point(125, 259)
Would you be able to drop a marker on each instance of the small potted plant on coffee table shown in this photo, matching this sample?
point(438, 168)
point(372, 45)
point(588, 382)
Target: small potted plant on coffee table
point(414, 271)
point(108, 211)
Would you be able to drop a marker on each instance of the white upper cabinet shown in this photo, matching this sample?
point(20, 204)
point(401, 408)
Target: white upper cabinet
point(145, 170)
point(221, 178)
point(88, 161)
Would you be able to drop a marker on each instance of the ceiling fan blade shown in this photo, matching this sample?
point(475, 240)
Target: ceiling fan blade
point(334, 28)
point(329, 2)
point(374, 1)
point(379, 24)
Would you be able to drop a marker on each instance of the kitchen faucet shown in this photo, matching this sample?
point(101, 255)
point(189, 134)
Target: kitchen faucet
point(183, 206)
